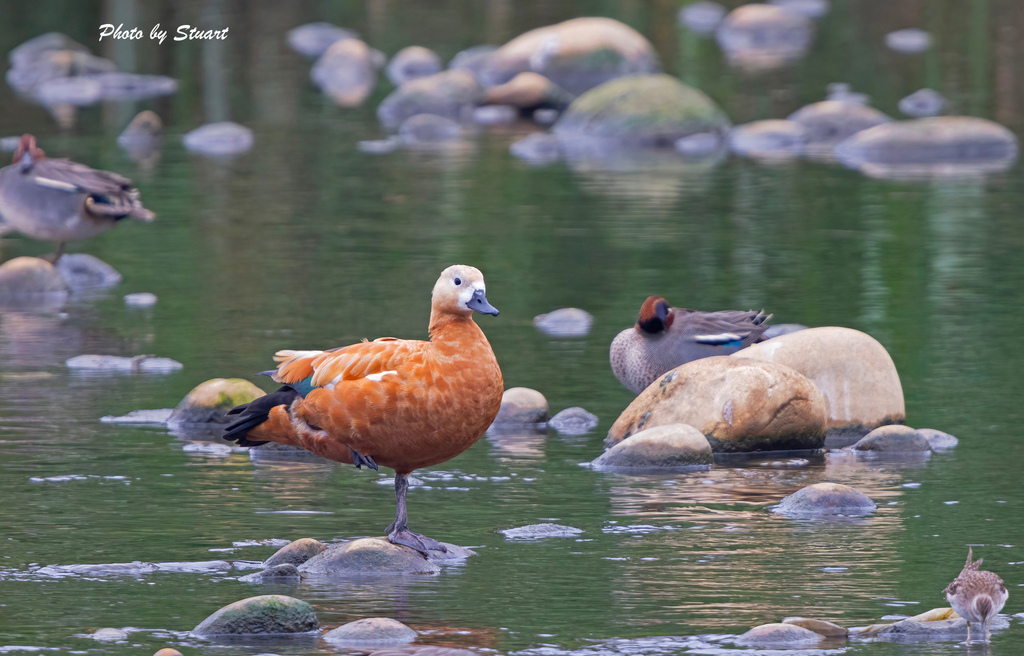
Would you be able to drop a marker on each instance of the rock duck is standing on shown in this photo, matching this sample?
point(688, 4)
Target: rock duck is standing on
point(400, 403)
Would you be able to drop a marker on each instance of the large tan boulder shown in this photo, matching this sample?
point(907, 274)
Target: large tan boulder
point(852, 370)
point(576, 54)
point(739, 405)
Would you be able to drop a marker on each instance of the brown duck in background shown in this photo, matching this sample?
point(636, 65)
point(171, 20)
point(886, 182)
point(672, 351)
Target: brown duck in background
point(976, 595)
point(59, 200)
point(665, 337)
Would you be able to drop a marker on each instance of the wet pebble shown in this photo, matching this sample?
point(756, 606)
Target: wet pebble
point(277, 573)
point(938, 440)
point(778, 634)
point(379, 146)
point(522, 406)
point(826, 499)
point(810, 8)
point(371, 631)
point(158, 416)
point(702, 17)
point(84, 271)
point(427, 129)
point(219, 139)
point(28, 277)
point(140, 299)
point(538, 531)
point(208, 449)
point(167, 651)
point(923, 102)
point(495, 115)
point(564, 322)
point(411, 63)
point(573, 421)
point(312, 39)
point(893, 439)
point(109, 635)
point(296, 553)
point(140, 363)
point(265, 614)
point(545, 116)
point(909, 41)
point(768, 139)
point(698, 145)
point(472, 59)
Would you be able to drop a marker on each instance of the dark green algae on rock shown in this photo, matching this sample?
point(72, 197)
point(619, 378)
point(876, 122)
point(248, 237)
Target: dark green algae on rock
point(643, 111)
point(265, 615)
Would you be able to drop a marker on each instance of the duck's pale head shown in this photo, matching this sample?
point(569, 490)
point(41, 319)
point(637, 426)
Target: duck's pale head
point(655, 317)
point(27, 145)
point(461, 290)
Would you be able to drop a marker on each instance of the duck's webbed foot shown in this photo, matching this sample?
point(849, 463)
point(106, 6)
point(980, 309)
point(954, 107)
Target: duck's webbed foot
point(420, 543)
point(359, 460)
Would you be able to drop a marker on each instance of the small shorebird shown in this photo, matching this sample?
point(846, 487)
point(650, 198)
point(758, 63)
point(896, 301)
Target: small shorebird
point(976, 595)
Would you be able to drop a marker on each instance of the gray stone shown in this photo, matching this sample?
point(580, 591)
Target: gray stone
point(577, 54)
point(495, 115)
point(346, 73)
point(821, 627)
point(143, 134)
point(119, 87)
point(109, 634)
point(380, 146)
point(84, 271)
point(922, 103)
point(826, 499)
point(371, 631)
point(137, 364)
point(938, 440)
point(538, 531)
point(769, 139)
point(940, 146)
point(893, 439)
point(909, 41)
point(428, 129)
point(573, 421)
point(313, 39)
point(155, 417)
point(529, 91)
point(472, 59)
point(831, 121)
point(262, 615)
point(522, 405)
point(210, 401)
point(702, 17)
point(545, 116)
point(778, 634)
point(810, 8)
point(844, 92)
point(375, 556)
point(450, 94)
point(701, 144)
point(221, 139)
point(411, 63)
point(538, 149)
point(140, 300)
point(565, 322)
point(761, 37)
point(423, 650)
point(666, 446)
point(296, 553)
point(641, 110)
point(273, 574)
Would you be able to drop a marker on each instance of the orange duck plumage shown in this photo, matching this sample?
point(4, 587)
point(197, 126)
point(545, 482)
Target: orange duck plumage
point(403, 404)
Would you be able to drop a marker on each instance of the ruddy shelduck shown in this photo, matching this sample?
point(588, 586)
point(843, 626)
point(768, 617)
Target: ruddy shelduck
point(400, 403)
point(59, 200)
point(665, 337)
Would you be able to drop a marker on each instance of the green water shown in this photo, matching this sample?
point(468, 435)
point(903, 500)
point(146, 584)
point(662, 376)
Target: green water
point(307, 243)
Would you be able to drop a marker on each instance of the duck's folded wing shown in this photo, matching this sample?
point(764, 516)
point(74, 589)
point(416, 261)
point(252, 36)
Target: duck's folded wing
point(727, 327)
point(308, 370)
point(108, 193)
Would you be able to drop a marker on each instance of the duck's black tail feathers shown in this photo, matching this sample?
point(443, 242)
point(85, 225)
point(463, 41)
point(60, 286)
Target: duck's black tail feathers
point(254, 413)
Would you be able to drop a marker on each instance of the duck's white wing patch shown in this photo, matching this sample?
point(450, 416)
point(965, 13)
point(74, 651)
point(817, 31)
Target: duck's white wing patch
point(289, 354)
point(719, 338)
point(59, 185)
point(377, 377)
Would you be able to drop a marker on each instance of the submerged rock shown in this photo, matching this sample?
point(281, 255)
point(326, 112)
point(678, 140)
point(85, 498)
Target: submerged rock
point(371, 631)
point(529, 91)
point(702, 17)
point(143, 135)
point(154, 417)
point(428, 129)
point(219, 139)
point(665, 446)
point(495, 115)
point(830, 121)
point(538, 531)
point(938, 440)
point(778, 634)
point(450, 94)
point(922, 103)
point(539, 149)
point(893, 439)
point(810, 8)
point(641, 110)
point(209, 402)
point(274, 574)
point(472, 60)
point(821, 627)
point(140, 300)
point(137, 364)
point(934, 623)
point(411, 63)
point(564, 322)
point(522, 406)
point(313, 39)
point(345, 73)
point(769, 139)
point(854, 372)
point(573, 421)
point(760, 37)
point(740, 405)
point(109, 634)
point(699, 145)
point(577, 54)
point(940, 146)
point(909, 41)
point(27, 277)
point(826, 499)
point(376, 556)
point(380, 146)
point(296, 553)
point(262, 615)
point(83, 271)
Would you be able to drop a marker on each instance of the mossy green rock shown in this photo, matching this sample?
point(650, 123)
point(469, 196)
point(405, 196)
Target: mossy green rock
point(642, 110)
point(209, 402)
point(262, 615)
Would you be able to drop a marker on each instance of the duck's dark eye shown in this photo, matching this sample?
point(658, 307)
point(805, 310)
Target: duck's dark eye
point(458, 281)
